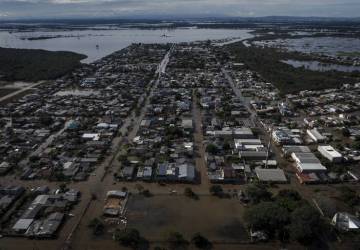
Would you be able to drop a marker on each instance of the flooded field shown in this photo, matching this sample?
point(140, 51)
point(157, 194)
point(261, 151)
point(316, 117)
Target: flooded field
point(219, 220)
point(329, 46)
point(319, 66)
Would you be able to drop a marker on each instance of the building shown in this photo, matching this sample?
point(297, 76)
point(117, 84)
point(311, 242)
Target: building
point(115, 203)
point(315, 135)
point(307, 162)
point(330, 153)
point(289, 149)
point(276, 175)
point(346, 222)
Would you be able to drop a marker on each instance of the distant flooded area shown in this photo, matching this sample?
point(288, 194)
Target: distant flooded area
point(329, 46)
point(99, 43)
point(319, 66)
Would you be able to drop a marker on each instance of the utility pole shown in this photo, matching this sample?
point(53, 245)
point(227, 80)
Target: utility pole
point(268, 148)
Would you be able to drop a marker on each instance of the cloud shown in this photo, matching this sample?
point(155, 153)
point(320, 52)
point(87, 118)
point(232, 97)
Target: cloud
point(122, 8)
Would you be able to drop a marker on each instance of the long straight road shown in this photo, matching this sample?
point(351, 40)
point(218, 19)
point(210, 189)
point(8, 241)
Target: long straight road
point(98, 185)
point(31, 86)
point(253, 115)
point(199, 145)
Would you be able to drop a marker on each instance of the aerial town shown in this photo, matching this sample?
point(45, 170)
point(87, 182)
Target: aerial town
point(171, 145)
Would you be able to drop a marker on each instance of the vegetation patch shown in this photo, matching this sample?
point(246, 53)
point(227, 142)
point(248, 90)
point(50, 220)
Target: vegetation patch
point(288, 79)
point(35, 65)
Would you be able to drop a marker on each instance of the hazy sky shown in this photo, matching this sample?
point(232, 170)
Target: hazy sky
point(148, 8)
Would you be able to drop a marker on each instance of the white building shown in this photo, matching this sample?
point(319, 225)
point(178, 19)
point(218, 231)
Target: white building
point(330, 153)
point(307, 163)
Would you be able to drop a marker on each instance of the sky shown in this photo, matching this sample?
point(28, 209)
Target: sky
point(17, 9)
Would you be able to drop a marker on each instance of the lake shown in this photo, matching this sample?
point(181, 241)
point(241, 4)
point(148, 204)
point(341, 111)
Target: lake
point(111, 40)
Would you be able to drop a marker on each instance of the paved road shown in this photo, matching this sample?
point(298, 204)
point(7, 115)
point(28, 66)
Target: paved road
point(33, 85)
point(199, 145)
point(253, 115)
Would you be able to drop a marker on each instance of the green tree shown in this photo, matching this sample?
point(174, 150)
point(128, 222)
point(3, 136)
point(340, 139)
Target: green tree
point(201, 242)
point(190, 193)
point(97, 226)
point(305, 223)
point(267, 216)
point(212, 149)
point(129, 237)
point(216, 190)
point(177, 241)
point(258, 193)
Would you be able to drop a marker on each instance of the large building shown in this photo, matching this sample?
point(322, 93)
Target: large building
point(307, 163)
point(330, 153)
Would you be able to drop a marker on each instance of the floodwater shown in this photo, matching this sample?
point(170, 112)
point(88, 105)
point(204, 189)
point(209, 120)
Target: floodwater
point(319, 66)
point(330, 46)
point(99, 43)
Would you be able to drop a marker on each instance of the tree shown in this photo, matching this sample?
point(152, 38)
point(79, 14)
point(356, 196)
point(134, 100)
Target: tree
point(268, 217)
point(190, 193)
point(129, 237)
point(289, 199)
point(97, 226)
point(177, 241)
point(305, 223)
point(258, 193)
point(62, 188)
point(216, 190)
point(212, 149)
point(201, 242)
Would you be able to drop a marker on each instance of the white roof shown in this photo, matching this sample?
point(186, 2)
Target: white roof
point(268, 174)
point(94, 136)
point(329, 150)
point(312, 166)
point(22, 224)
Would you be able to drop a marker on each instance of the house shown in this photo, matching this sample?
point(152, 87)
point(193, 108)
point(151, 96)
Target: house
point(186, 173)
point(128, 172)
point(187, 124)
point(115, 203)
point(330, 153)
point(289, 149)
point(46, 228)
point(4, 167)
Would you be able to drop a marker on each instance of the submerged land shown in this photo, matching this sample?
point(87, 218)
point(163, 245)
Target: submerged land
point(215, 144)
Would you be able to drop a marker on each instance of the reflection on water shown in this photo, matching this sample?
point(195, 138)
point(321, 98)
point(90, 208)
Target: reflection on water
point(319, 66)
point(108, 41)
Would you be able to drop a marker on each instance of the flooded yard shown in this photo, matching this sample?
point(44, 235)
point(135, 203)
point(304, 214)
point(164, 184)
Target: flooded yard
point(217, 219)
